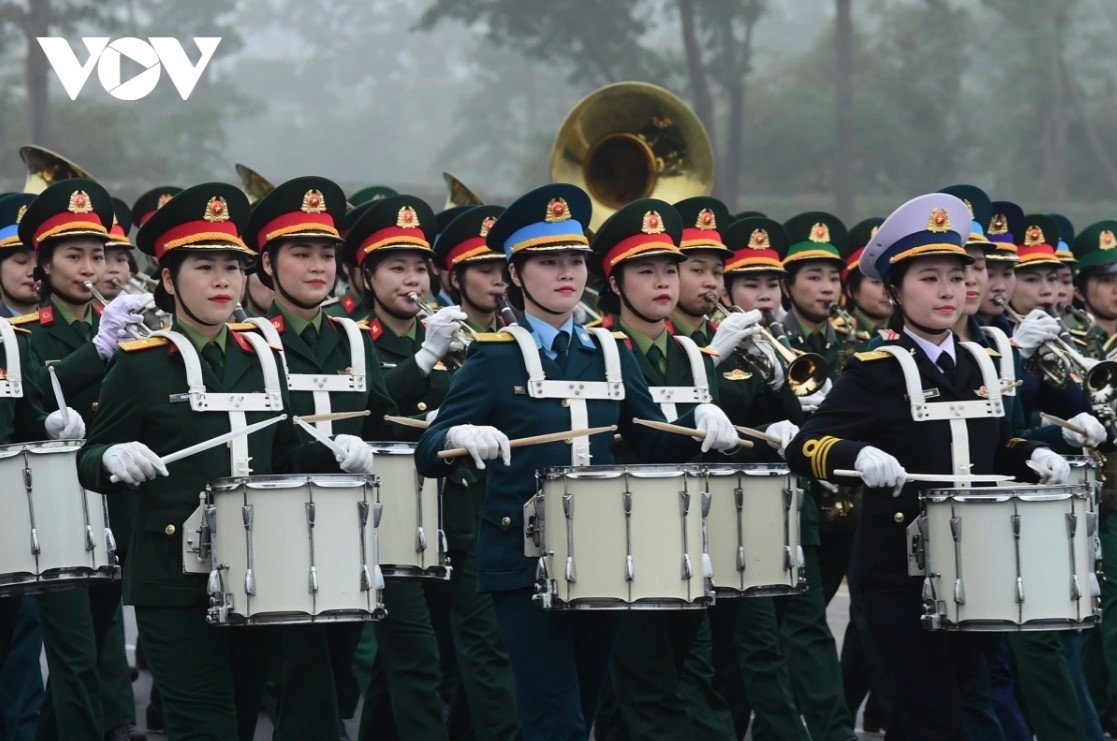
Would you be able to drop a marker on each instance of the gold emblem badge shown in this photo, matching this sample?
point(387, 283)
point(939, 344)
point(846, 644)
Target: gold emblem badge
point(706, 220)
point(313, 202)
point(216, 210)
point(652, 223)
point(557, 210)
point(999, 225)
point(938, 221)
point(407, 218)
point(1033, 237)
point(162, 201)
point(758, 240)
point(79, 202)
point(968, 206)
point(874, 231)
point(820, 233)
point(1106, 240)
point(20, 213)
point(486, 225)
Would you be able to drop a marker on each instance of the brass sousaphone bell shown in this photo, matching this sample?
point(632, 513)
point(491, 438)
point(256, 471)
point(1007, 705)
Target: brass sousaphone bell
point(632, 140)
point(458, 194)
point(44, 168)
point(255, 185)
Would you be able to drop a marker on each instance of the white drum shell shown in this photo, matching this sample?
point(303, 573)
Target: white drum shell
point(47, 507)
point(412, 545)
point(594, 559)
point(279, 549)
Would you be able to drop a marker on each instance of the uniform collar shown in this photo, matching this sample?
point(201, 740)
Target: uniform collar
point(933, 351)
point(545, 334)
point(199, 341)
point(297, 323)
point(68, 316)
point(644, 343)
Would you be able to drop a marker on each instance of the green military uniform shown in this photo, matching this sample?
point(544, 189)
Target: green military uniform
point(403, 694)
point(316, 658)
point(352, 304)
point(807, 640)
point(210, 677)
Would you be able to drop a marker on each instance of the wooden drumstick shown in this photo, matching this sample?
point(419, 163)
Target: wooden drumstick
point(758, 434)
point(680, 430)
point(408, 421)
point(333, 416)
point(1060, 422)
point(550, 437)
point(1011, 386)
point(948, 478)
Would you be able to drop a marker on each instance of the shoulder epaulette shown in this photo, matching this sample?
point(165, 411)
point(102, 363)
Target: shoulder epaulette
point(593, 323)
point(864, 357)
point(143, 343)
point(620, 336)
point(330, 301)
point(1105, 347)
point(242, 326)
point(992, 353)
point(707, 350)
point(362, 325)
point(888, 334)
point(494, 337)
point(15, 321)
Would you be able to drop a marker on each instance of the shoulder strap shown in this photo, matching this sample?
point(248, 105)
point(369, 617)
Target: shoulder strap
point(1008, 360)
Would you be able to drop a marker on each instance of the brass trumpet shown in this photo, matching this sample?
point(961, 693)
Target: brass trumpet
point(463, 334)
point(1062, 363)
point(805, 372)
point(139, 331)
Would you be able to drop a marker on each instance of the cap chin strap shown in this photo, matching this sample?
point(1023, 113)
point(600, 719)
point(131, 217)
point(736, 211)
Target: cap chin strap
point(305, 306)
point(923, 328)
point(639, 315)
point(179, 301)
point(535, 303)
point(819, 318)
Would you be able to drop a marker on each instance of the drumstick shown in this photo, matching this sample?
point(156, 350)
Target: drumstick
point(334, 416)
point(408, 421)
point(1011, 386)
point(58, 397)
point(550, 437)
point(214, 442)
point(758, 434)
point(1060, 422)
point(320, 437)
point(679, 430)
point(984, 478)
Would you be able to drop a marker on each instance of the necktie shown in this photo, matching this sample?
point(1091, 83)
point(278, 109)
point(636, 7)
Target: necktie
point(85, 329)
point(212, 354)
point(657, 358)
point(946, 365)
point(559, 346)
point(310, 337)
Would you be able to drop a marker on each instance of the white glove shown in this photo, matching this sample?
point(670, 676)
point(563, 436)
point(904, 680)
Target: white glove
point(58, 430)
point(124, 310)
point(440, 333)
point(1050, 466)
point(785, 430)
point(879, 469)
point(357, 457)
point(1034, 330)
point(581, 313)
point(431, 416)
point(1095, 433)
point(732, 331)
point(720, 433)
point(811, 402)
point(132, 463)
point(764, 351)
point(484, 443)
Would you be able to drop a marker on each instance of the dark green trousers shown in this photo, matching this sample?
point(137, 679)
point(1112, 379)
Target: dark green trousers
point(709, 712)
point(21, 678)
point(1099, 653)
point(862, 672)
point(210, 678)
point(74, 623)
point(403, 701)
point(812, 656)
point(1045, 686)
point(315, 663)
point(118, 704)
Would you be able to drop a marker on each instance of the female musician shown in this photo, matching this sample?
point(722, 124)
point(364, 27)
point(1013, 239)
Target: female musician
point(118, 252)
point(866, 298)
point(19, 293)
point(558, 657)
point(866, 424)
point(210, 678)
point(293, 228)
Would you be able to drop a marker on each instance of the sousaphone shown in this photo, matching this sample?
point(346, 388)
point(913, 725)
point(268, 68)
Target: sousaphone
point(632, 140)
point(44, 168)
point(255, 185)
point(459, 194)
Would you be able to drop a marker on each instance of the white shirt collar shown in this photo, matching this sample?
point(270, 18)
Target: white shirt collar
point(931, 349)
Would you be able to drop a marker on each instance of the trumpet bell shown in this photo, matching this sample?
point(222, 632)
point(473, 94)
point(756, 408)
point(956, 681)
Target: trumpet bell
point(459, 194)
point(632, 140)
point(255, 185)
point(44, 168)
point(1100, 382)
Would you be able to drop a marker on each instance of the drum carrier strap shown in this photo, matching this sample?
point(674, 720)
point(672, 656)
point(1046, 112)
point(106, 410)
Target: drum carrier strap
point(573, 393)
point(955, 412)
point(668, 396)
point(235, 404)
point(11, 385)
point(321, 384)
point(1008, 362)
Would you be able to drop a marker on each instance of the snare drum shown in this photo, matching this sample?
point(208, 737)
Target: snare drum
point(1086, 469)
point(1009, 558)
point(293, 549)
point(55, 533)
point(619, 537)
point(412, 545)
point(752, 529)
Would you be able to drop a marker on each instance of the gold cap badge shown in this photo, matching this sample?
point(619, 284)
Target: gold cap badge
point(79, 202)
point(758, 240)
point(706, 220)
point(216, 210)
point(652, 223)
point(407, 218)
point(557, 210)
point(820, 233)
point(1106, 240)
point(486, 225)
point(313, 202)
point(938, 221)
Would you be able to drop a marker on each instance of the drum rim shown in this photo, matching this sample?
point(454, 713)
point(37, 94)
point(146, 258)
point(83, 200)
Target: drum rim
point(271, 481)
point(382, 447)
point(1024, 492)
point(40, 446)
point(636, 470)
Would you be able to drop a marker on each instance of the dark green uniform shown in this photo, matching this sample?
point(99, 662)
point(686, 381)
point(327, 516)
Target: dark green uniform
point(350, 305)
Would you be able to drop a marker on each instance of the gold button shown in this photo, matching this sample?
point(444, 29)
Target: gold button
point(169, 529)
point(505, 521)
point(465, 481)
point(566, 402)
point(898, 517)
point(422, 406)
point(93, 406)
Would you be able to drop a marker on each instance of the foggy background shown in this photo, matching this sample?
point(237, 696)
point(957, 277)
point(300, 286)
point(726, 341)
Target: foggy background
point(845, 105)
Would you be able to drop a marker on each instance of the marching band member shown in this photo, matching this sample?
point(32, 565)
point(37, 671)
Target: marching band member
point(918, 253)
point(558, 657)
point(352, 303)
point(813, 263)
point(210, 678)
point(19, 293)
point(1069, 263)
point(473, 276)
point(866, 298)
point(293, 228)
point(118, 252)
point(67, 225)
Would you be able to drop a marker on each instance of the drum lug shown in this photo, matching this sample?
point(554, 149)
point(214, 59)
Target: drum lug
point(35, 549)
point(90, 540)
point(366, 578)
point(917, 561)
point(956, 534)
point(420, 540)
point(1095, 587)
point(571, 574)
point(311, 516)
point(629, 569)
point(1072, 530)
point(110, 541)
point(707, 566)
point(246, 512)
point(568, 512)
point(379, 579)
point(1015, 518)
point(688, 572)
point(220, 607)
point(313, 584)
